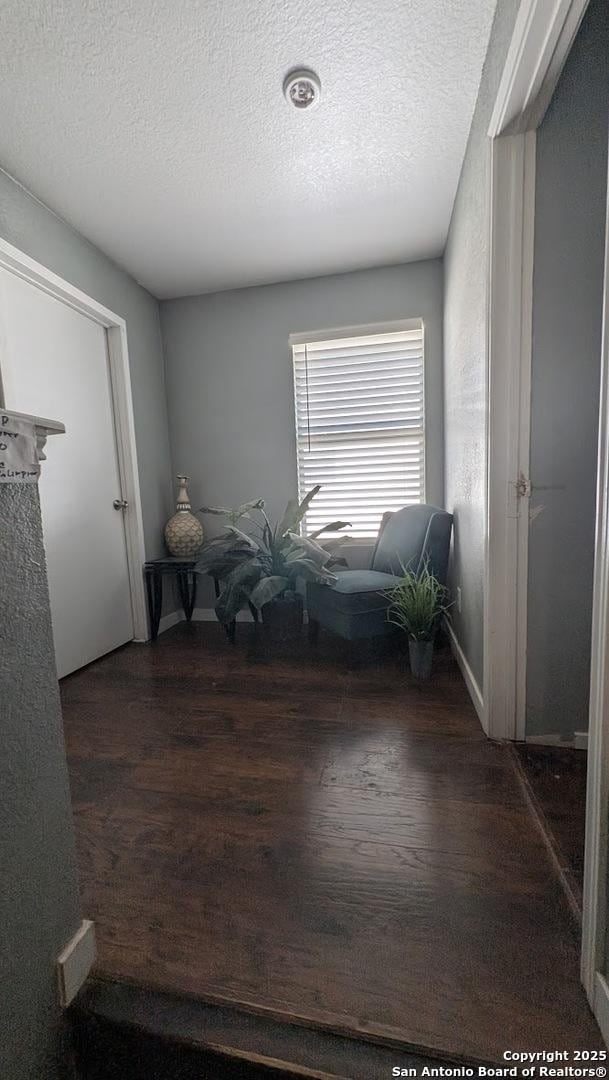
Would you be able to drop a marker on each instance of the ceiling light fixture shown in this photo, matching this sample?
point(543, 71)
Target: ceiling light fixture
point(302, 88)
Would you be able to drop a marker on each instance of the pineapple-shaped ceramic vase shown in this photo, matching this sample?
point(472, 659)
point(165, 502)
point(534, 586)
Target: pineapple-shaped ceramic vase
point(183, 532)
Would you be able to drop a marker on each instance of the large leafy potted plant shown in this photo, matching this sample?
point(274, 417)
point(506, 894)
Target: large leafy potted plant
point(262, 566)
point(416, 606)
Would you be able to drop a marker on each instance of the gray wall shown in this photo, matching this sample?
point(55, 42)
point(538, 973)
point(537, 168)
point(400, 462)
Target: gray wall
point(229, 375)
point(465, 354)
point(39, 905)
point(567, 320)
point(28, 225)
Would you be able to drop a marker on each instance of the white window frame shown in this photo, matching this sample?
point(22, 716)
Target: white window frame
point(394, 326)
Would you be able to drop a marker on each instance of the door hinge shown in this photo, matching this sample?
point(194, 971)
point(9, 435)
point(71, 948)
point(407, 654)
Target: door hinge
point(522, 487)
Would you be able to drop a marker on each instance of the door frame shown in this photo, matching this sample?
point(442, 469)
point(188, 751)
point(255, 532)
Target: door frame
point(543, 34)
point(594, 913)
point(20, 264)
point(541, 40)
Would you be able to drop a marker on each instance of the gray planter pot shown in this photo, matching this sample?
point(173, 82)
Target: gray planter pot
point(421, 658)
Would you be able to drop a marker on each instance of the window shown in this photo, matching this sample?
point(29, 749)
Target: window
point(360, 423)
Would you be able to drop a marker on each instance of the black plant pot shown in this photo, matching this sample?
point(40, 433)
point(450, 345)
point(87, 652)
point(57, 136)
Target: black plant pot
point(282, 618)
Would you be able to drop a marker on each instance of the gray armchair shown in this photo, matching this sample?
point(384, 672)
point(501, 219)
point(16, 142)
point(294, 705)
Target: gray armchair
point(355, 606)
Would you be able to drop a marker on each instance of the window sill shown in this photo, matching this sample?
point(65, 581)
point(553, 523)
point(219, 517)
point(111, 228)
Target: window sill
point(359, 541)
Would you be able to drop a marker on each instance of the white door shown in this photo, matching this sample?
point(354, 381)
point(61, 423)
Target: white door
point(54, 363)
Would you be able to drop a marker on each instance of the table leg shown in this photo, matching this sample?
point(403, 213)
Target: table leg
point(154, 591)
point(193, 594)
point(188, 591)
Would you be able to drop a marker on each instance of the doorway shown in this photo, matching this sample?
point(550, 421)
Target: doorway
point(570, 202)
point(56, 360)
point(546, 594)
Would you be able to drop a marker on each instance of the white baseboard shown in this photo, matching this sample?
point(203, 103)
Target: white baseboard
point(600, 1005)
point(207, 614)
point(199, 615)
point(170, 620)
point(467, 673)
point(579, 740)
point(550, 738)
point(75, 962)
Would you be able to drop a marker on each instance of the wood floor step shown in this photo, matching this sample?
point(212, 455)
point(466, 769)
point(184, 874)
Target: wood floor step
point(123, 1027)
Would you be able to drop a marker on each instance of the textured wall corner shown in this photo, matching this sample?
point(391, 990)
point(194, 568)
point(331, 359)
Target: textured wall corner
point(465, 355)
point(39, 904)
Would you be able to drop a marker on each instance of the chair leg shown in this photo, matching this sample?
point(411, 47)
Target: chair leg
point(313, 631)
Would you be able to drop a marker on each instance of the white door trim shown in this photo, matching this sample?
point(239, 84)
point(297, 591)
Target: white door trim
point(512, 213)
point(17, 262)
point(600, 1004)
point(594, 919)
point(543, 34)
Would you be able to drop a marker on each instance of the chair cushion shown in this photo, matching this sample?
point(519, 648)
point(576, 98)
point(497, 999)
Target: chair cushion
point(363, 581)
point(361, 614)
point(401, 542)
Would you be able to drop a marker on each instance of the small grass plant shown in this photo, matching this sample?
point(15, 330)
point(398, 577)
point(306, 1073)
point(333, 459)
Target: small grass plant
point(418, 603)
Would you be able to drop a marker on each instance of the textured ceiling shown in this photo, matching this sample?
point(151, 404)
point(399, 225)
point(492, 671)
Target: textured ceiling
point(159, 130)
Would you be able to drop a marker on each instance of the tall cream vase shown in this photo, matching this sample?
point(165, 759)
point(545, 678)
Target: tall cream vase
point(184, 534)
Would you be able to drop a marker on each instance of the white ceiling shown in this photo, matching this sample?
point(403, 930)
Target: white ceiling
point(159, 130)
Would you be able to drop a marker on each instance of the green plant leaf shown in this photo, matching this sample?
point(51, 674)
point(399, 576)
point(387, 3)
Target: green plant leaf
point(217, 541)
point(288, 519)
point(218, 547)
point(334, 526)
point(280, 553)
point(417, 604)
point(306, 502)
point(295, 511)
point(234, 514)
point(267, 589)
point(236, 589)
point(244, 537)
point(267, 536)
point(253, 504)
point(310, 571)
point(224, 564)
point(303, 545)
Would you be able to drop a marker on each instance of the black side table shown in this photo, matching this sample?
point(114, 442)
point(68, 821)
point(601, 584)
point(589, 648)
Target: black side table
point(184, 570)
point(154, 572)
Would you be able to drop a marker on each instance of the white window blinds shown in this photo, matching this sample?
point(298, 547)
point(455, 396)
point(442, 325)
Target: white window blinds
point(360, 425)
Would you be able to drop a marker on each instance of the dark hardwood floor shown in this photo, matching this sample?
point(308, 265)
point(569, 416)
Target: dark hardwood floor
point(556, 780)
point(333, 844)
